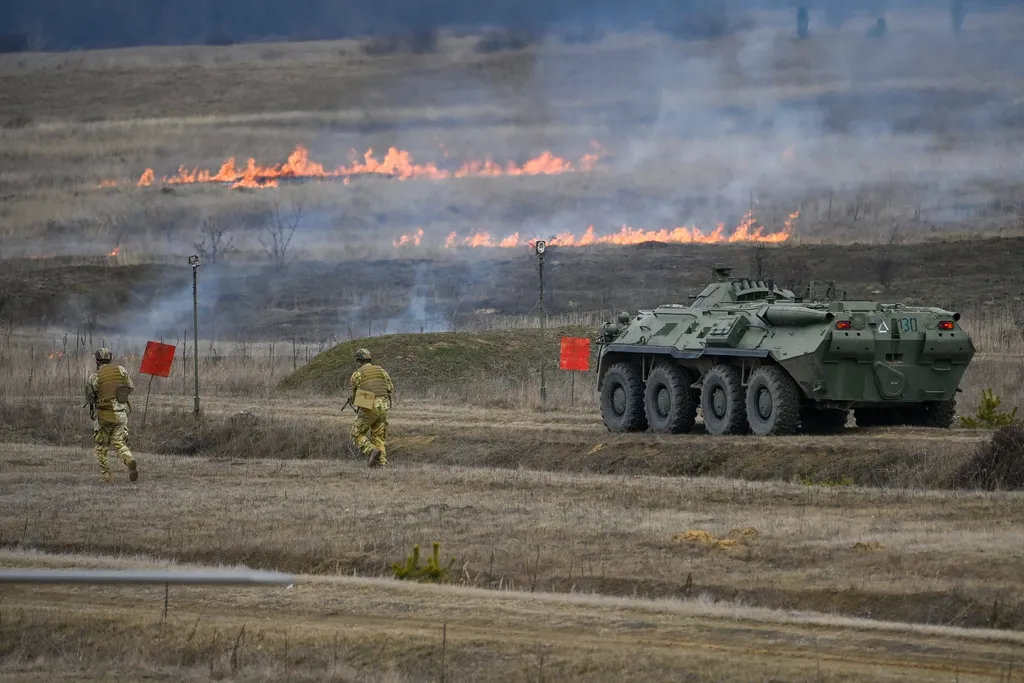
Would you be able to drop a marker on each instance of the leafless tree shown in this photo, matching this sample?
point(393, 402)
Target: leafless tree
point(279, 228)
point(215, 241)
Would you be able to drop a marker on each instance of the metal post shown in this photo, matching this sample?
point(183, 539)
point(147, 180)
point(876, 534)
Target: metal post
point(194, 262)
point(541, 246)
point(145, 410)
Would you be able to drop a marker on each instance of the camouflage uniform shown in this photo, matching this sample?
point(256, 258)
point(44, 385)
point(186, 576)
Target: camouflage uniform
point(110, 416)
point(373, 378)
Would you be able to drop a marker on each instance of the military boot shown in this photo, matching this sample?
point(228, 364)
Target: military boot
point(133, 469)
point(107, 479)
point(374, 457)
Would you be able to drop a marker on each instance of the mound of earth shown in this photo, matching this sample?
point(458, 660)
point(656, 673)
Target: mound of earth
point(439, 359)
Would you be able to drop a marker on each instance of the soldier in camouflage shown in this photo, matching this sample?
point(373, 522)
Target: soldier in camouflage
point(375, 379)
point(106, 393)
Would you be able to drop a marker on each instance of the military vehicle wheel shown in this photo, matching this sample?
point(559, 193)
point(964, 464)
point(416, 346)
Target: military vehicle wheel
point(722, 402)
point(940, 414)
point(822, 421)
point(622, 399)
point(934, 414)
point(671, 403)
point(773, 402)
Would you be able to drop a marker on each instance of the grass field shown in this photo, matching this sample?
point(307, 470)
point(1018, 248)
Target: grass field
point(928, 558)
point(891, 167)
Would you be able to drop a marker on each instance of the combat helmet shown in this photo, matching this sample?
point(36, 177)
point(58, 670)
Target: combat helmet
point(103, 355)
point(363, 355)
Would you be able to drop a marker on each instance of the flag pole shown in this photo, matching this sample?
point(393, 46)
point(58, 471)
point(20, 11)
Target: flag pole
point(145, 409)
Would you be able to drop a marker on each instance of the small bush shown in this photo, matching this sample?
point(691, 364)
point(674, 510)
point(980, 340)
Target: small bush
point(988, 417)
point(431, 572)
point(998, 464)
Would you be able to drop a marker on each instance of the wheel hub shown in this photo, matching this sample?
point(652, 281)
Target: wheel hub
point(619, 400)
point(719, 402)
point(764, 403)
point(663, 401)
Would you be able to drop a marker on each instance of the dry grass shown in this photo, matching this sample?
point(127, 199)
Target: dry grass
point(56, 365)
point(328, 628)
point(926, 557)
point(551, 440)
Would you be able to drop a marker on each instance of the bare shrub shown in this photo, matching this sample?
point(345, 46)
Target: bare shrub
point(279, 229)
point(998, 464)
point(215, 241)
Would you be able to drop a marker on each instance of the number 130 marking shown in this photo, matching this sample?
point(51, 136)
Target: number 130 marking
point(908, 324)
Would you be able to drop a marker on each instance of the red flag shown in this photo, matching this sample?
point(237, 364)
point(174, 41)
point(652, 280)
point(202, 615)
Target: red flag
point(157, 359)
point(575, 354)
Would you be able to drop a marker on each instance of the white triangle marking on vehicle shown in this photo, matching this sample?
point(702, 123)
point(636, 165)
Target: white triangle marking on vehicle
point(882, 327)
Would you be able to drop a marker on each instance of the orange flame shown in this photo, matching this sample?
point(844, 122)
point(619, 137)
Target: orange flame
point(746, 231)
point(115, 251)
point(55, 354)
point(395, 164)
point(410, 239)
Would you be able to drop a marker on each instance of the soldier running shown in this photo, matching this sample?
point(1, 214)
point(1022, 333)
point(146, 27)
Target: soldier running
point(374, 379)
point(106, 393)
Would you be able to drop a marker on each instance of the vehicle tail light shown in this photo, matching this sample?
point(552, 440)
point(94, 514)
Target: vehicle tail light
point(946, 324)
point(844, 325)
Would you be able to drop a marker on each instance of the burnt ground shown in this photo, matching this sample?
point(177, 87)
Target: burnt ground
point(323, 300)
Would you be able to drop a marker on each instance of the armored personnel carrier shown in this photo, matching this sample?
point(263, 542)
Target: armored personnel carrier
point(756, 358)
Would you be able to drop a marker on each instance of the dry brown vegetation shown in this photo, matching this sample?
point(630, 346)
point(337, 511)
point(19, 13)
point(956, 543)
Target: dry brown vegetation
point(338, 628)
point(926, 557)
point(56, 365)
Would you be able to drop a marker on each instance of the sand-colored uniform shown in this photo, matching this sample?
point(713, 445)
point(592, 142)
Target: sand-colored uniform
point(373, 378)
point(110, 422)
